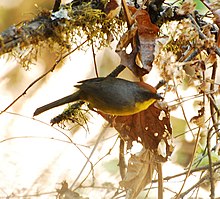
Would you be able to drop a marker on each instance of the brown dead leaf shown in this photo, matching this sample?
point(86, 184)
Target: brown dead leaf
point(129, 61)
point(112, 8)
point(150, 127)
point(139, 173)
point(141, 35)
point(199, 119)
point(147, 33)
point(126, 38)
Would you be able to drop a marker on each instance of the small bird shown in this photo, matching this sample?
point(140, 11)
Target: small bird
point(114, 96)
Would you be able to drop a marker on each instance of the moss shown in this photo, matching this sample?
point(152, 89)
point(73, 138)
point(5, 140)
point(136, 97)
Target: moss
point(61, 30)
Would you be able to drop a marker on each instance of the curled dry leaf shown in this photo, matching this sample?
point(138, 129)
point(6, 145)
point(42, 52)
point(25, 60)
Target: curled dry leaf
point(147, 34)
point(188, 6)
point(139, 173)
point(142, 36)
point(65, 193)
point(199, 119)
point(129, 61)
point(112, 8)
point(150, 127)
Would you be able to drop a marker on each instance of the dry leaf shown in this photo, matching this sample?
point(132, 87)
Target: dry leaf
point(129, 61)
point(112, 8)
point(139, 173)
point(199, 119)
point(188, 6)
point(148, 127)
point(142, 36)
point(147, 34)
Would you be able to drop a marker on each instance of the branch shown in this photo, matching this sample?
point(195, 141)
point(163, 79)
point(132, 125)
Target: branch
point(26, 33)
point(60, 26)
point(41, 77)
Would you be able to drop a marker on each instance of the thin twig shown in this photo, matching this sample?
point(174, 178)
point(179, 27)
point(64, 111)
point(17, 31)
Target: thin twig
point(181, 106)
point(88, 160)
point(93, 165)
point(44, 123)
point(190, 165)
point(94, 60)
point(211, 177)
point(203, 36)
point(117, 71)
point(122, 164)
point(42, 76)
point(214, 107)
point(127, 14)
point(160, 181)
point(202, 168)
point(195, 147)
point(194, 186)
point(213, 76)
point(192, 55)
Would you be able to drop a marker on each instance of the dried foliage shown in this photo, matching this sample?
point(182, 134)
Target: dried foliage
point(139, 172)
point(178, 41)
point(142, 35)
point(151, 128)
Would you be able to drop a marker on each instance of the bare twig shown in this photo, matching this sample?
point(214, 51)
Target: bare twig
point(94, 60)
point(213, 108)
point(202, 168)
point(192, 55)
point(212, 102)
point(203, 36)
point(122, 165)
point(94, 164)
point(69, 142)
point(42, 76)
point(194, 186)
point(160, 181)
point(190, 165)
point(211, 177)
point(88, 160)
point(117, 71)
point(181, 106)
point(129, 19)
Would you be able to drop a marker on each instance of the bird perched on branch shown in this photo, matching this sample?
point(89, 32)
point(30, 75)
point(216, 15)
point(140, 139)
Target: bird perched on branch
point(110, 95)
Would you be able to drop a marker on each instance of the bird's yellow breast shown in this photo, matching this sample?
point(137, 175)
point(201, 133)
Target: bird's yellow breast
point(140, 106)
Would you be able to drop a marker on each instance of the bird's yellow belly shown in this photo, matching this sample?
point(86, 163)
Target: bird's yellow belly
point(140, 106)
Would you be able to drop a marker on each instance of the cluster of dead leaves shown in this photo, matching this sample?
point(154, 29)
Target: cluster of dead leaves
point(141, 35)
point(146, 127)
point(150, 127)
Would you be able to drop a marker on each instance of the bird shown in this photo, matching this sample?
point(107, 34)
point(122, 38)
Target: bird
point(110, 95)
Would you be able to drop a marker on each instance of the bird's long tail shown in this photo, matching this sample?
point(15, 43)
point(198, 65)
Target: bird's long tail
point(70, 98)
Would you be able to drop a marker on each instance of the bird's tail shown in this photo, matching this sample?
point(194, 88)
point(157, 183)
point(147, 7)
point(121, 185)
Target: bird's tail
point(70, 98)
